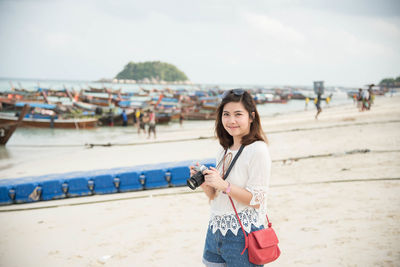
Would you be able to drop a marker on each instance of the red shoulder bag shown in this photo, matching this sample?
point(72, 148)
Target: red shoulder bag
point(262, 245)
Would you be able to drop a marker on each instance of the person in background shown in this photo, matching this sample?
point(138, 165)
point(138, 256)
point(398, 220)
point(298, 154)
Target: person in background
point(110, 117)
point(152, 124)
point(371, 98)
point(142, 122)
point(138, 115)
point(365, 98)
point(360, 99)
point(355, 99)
point(328, 99)
point(318, 105)
point(307, 100)
point(181, 118)
point(124, 118)
point(134, 117)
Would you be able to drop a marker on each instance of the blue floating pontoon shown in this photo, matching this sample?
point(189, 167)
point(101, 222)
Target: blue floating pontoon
point(85, 183)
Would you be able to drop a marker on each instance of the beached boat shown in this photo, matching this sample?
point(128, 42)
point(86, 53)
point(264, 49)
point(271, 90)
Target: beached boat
point(7, 129)
point(49, 122)
point(262, 98)
point(199, 114)
point(163, 117)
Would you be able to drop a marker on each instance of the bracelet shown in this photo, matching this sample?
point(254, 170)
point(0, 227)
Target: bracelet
point(228, 189)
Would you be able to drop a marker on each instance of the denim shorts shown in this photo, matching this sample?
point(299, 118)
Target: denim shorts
point(224, 251)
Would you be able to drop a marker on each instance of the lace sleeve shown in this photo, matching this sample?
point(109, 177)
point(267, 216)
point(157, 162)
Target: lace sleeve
point(259, 195)
point(259, 198)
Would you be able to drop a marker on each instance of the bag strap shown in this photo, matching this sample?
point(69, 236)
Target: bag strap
point(233, 205)
point(233, 161)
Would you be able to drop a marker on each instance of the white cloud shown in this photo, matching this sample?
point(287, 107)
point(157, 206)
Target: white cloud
point(273, 29)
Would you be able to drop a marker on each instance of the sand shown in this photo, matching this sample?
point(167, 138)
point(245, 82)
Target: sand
point(330, 202)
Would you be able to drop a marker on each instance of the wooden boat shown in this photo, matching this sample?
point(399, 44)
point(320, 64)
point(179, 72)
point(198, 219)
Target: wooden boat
point(163, 117)
point(199, 114)
point(277, 101)
point(114, 118)
point(49, 122)
point(7, 129)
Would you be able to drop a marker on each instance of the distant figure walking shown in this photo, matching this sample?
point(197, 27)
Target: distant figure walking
point(134, 117)
point(365, 100)
point(355, 99)
point(140, 120)
point(110, 117)
point(360, 99)
point(152, 124)
point(124, 118)
point(371, 98)
point(328, 99)
point(318, 105)
point(307, 100)
point(181, 118)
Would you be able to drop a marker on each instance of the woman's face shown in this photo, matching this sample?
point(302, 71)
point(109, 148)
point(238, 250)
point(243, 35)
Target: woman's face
point(236, 120)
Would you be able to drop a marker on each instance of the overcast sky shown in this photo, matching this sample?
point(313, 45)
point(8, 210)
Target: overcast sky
point(263, 42)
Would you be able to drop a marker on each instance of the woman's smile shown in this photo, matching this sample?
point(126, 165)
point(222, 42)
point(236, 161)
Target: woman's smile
point(236, 120)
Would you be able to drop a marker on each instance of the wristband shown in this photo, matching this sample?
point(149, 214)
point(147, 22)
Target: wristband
point(228, 189)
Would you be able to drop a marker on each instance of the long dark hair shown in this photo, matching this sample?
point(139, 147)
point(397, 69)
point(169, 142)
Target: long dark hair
point(256, 133)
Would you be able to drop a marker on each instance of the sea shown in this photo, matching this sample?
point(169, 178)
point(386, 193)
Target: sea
point(24, 138)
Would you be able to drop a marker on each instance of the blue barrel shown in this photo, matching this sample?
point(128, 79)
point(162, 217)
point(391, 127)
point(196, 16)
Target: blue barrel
point(77, 184)
point(128, 180)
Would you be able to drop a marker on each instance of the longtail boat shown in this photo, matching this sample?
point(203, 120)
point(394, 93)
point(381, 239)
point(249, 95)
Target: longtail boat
point(8, 128)
point(49, 121)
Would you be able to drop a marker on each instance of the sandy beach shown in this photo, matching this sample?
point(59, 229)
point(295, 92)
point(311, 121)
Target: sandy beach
point(334, 198)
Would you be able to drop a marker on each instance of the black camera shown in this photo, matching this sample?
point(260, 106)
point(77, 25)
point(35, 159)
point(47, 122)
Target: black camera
point(197, 179)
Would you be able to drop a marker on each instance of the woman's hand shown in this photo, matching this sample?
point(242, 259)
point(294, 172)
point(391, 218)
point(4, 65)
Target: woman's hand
point(213, 178)
point(193, 170)
point(208, 190)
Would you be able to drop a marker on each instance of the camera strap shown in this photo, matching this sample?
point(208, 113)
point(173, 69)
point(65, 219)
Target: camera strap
point(233, 161)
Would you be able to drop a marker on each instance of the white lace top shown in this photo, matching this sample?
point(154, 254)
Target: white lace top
point(252, 172)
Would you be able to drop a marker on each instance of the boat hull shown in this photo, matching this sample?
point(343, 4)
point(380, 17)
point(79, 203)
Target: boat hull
point(46, 123)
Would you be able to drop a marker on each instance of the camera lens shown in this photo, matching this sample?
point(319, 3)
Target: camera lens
point(191, 184)
point(197, 179)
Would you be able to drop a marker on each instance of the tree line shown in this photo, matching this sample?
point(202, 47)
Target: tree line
point(390, 82)
point(157, 70)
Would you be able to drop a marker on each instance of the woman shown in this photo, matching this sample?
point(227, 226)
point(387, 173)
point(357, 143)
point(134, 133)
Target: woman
point(237, 123)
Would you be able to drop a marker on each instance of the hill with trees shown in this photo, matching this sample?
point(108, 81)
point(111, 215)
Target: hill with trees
point(390, 82)
point(151, 70)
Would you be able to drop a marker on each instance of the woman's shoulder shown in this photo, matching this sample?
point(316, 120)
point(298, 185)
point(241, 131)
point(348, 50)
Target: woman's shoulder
point(258, 151)
point(258, 146)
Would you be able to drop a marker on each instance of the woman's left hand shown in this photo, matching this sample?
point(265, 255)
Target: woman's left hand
point(214, 179)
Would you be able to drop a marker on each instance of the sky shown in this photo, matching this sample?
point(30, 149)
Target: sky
point(257, 42)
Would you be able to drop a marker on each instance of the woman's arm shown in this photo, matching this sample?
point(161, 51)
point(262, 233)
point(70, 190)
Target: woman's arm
point(210, 191)
point(214, 180)
point(241, 195)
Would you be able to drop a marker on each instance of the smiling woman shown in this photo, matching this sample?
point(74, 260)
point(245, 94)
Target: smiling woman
point(236, 120)
point(239, 131)
point(238, 104)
